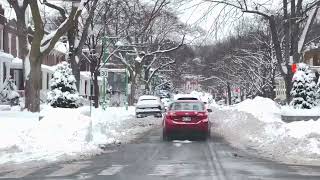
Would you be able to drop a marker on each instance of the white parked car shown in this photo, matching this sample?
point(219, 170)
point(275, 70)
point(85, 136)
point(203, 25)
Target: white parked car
point(149, 106)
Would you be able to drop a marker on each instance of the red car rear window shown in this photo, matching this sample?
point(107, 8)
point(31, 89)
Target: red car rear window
point(187, 106)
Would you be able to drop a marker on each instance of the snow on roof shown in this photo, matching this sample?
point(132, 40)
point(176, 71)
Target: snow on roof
point(5, 56)
point(60, 47)
point(16, 63)
point(85, 74)
point(50, 69)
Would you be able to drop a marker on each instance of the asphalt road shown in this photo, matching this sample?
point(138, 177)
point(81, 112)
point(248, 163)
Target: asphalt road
point(151, 158)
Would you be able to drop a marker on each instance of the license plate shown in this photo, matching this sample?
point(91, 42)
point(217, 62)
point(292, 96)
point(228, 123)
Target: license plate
point(186, 119)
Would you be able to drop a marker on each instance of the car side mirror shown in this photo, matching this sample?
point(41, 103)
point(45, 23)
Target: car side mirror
point(209, 110)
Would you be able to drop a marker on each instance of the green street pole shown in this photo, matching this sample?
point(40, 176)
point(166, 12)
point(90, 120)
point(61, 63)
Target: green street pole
point(127, 94)
point(105, 59)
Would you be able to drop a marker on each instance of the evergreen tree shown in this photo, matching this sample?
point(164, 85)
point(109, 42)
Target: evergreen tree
point(9, 93)
point(63, 91)
point(303, 89)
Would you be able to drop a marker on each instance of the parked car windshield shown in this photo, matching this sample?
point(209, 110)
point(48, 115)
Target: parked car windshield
point(187, 106)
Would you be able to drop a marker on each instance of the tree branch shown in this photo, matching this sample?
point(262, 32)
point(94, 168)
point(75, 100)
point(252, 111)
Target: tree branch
point(58, 8)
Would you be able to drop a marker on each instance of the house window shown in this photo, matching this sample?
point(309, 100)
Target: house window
point(316, 60)
point(4, 72)
point(17, 46)
point(85, 87)
point(48, 80)
point(1, 37)
point(9, 42)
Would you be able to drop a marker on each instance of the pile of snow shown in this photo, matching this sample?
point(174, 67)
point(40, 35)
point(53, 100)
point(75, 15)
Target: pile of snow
point(257, 124)
point(66, 133)
point(262, 108)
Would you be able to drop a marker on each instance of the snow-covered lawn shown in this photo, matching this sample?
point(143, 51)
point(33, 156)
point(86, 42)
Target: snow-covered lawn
point(66, 133)
point(257, 124)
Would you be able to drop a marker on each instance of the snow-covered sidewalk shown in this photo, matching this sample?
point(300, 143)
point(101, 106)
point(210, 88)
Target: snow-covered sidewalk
point(257, 124)
point(66, 133)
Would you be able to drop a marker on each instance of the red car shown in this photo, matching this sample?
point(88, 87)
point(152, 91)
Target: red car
point(186, 117)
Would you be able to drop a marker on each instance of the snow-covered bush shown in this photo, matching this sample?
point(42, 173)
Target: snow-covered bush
point(9, 94)
point(63, 91)
point(304, 88)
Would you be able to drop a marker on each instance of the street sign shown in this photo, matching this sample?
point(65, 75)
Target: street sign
point(104, 72)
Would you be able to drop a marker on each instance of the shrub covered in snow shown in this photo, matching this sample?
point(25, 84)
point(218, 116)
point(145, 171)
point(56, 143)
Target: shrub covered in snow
point(63, 91)
point(9, 94)
point(303, 89)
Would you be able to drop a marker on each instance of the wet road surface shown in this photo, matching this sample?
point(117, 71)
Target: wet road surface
point(151, 158)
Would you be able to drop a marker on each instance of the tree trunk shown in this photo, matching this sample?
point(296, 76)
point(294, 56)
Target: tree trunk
point(229, 93)
point(23, 51)
point(96, 90)
point(75, 65)
point(286, 29)
point(288, 83)
point(132, 93)
point(35, 81)
point(75, 70)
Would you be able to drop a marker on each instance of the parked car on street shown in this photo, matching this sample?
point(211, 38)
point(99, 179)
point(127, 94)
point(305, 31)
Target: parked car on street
point(149, 106)
point(186, 117)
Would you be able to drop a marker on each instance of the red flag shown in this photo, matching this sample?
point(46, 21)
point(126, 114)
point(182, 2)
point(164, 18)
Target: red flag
point(293, 68)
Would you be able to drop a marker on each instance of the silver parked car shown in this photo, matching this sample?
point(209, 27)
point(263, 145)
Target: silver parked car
point(149, 106)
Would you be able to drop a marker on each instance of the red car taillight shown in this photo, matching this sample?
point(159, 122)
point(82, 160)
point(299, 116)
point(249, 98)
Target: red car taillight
point(202, 115)
point(171, 115)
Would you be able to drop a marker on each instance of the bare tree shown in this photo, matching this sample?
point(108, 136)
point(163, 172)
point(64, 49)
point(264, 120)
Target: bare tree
point(135, 25)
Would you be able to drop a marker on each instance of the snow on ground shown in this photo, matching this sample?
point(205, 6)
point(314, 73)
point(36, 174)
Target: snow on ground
point(257, 124)
point(66, 133)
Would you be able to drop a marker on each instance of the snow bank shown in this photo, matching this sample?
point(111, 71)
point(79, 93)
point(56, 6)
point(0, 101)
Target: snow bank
point(262, 108)
point(257, 124)
point(65, 133)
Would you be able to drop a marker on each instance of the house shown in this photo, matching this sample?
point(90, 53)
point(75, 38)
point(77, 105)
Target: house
point(312, 58)
point(11, 64)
